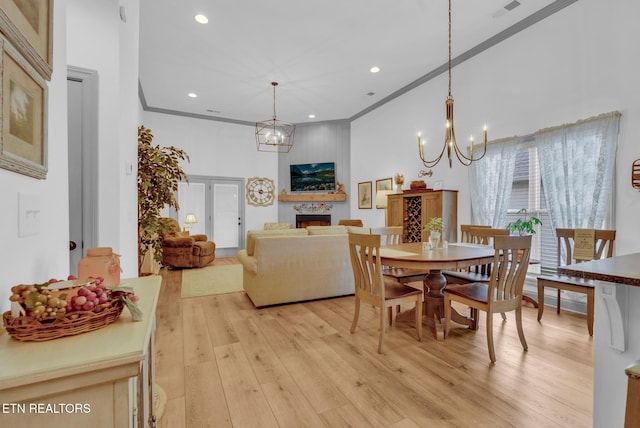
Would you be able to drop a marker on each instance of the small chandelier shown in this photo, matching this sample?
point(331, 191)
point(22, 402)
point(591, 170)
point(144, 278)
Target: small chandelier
point(450, 143)
point(273, 135)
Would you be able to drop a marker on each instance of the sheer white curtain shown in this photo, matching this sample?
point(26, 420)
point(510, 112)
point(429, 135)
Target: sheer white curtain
point(490, 183)
point(576, 164)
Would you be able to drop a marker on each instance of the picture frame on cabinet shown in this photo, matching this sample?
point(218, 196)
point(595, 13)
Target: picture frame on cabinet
point(365, 189)
point(23, 109)
point(438, 185)
point(28, 26)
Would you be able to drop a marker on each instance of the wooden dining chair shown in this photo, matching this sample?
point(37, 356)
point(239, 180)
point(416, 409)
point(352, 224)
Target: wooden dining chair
point(502, 294)
point(480, 273)
point(602, 248)
point(392, 235)
point(350, 222)
point(465, 231)
point(373, 288)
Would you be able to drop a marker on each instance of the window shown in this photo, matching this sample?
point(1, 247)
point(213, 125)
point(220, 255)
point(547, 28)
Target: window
point(528, 192)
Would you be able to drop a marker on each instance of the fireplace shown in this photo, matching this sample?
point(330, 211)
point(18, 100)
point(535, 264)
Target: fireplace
point(304, 220)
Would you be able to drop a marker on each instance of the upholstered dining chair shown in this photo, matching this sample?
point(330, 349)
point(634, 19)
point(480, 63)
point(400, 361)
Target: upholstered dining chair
point(601, 247)
point(373, 288)
point(502, 294)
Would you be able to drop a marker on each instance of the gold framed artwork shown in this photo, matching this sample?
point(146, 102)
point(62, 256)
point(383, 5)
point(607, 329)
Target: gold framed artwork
point(23, 109)
point(27, 24)
point(364, 195)
point(384, 184)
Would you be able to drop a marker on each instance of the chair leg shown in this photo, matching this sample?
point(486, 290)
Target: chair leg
point(590, 301)
point(558, 307)
point(540, 300)
point(504, 316)
point(447, 314)
point(492, 352)
point(383, 327)
point(475, 315)
point(419, 318)
point(520, 330)
point(356, 314)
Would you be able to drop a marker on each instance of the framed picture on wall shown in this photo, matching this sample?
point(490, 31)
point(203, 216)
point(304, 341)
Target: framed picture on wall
point(23, 146)
point(384, 184)
point(364, 195)
point(28, 26)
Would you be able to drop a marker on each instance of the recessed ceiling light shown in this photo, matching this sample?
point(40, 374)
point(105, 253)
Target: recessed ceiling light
point(312, 116)
point(192, 95)
point(202, 19)
point(374, 69)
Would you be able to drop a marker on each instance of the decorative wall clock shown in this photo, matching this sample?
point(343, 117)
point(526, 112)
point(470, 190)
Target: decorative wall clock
point(260, 191)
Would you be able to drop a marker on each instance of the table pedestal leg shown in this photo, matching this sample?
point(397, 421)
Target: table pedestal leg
point(434, 283)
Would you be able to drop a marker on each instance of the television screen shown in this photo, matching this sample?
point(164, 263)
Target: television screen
point(311, 177)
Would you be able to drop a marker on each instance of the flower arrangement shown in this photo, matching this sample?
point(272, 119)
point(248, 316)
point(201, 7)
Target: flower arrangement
point(399, 179)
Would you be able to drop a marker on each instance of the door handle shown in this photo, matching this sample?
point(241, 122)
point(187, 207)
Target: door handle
point(72, 245)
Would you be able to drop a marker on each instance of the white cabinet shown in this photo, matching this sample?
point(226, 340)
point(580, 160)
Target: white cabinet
point(99, 379)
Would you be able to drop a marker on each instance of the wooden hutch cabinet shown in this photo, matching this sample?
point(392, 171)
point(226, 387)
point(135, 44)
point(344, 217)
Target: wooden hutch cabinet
point(412, 210)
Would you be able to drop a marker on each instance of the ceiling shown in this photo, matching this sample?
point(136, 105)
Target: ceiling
point(320, 52)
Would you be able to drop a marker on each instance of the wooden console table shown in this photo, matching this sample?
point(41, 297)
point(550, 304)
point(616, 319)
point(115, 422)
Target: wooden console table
point(103, 378)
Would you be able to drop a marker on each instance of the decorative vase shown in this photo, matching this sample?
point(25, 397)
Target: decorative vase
point(434, 238)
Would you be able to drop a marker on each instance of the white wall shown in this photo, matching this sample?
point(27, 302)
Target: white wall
point(98, 40)
point(37, 258)
point(218, 149)
point(578, 63)
point(88, 35)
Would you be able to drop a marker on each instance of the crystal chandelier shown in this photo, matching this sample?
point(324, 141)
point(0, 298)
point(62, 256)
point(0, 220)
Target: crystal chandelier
point(273, 135)
point(450, 144)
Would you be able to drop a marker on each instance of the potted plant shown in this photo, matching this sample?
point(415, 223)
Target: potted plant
point(524, 225)
point(434, 226)
point(159, 172)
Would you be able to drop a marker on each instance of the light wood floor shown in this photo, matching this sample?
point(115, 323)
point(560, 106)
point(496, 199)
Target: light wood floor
point(224, 363)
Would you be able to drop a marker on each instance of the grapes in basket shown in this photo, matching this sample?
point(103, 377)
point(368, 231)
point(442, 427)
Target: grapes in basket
point(57, 298)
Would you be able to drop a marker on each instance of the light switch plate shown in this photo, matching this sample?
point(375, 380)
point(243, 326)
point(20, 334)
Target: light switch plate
point(28, 214)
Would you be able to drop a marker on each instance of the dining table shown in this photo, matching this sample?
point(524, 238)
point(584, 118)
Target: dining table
point(435, 260)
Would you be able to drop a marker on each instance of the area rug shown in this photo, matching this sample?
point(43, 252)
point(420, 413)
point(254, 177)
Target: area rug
point(211, 280)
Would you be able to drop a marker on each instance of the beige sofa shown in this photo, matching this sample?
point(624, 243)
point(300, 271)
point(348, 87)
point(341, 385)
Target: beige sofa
point(294, 265)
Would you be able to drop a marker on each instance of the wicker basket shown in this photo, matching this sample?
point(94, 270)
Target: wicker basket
point(28, 329)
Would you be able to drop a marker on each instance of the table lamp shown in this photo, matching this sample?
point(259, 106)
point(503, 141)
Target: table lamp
point(189, 221)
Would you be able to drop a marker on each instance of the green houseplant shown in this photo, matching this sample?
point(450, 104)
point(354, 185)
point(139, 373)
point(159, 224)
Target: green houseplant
point(524, 225)
point(159, 172)
point(434, 226)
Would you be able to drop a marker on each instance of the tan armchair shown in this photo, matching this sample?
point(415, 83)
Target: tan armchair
point(181, 250)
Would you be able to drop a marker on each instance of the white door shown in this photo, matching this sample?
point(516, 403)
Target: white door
point(226, 216)
point(216, 203)
point(82, 107)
